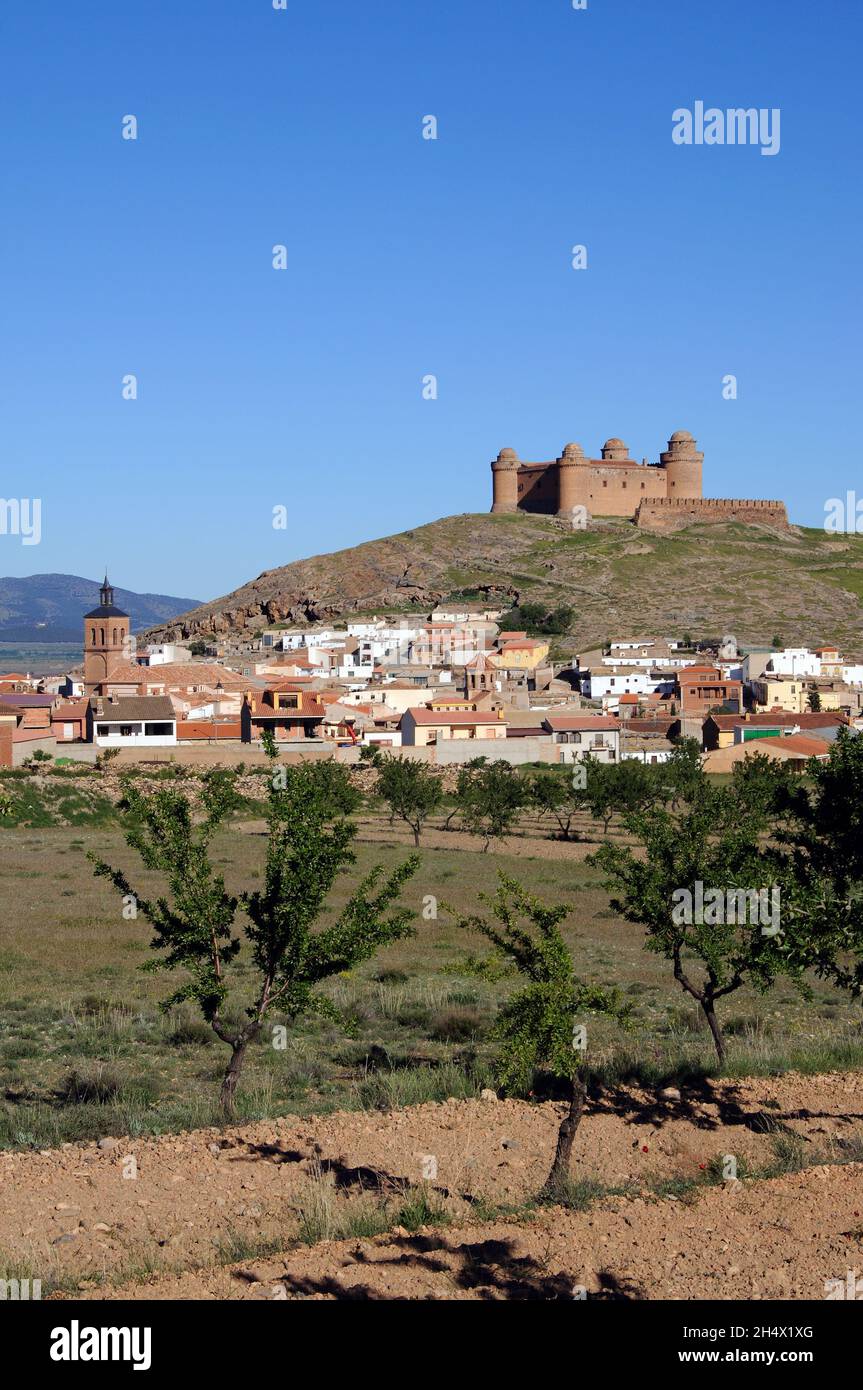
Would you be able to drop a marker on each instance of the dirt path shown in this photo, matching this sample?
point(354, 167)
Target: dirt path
point(83, 1215)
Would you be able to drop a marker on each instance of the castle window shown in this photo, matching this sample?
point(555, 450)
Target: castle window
point(605, 484)
point(93, 635)
point(642, 487)
point(114, 640)
point(102, 636)
point(624, 486)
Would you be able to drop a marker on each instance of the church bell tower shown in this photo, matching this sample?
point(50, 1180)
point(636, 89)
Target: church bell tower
point(106, 640)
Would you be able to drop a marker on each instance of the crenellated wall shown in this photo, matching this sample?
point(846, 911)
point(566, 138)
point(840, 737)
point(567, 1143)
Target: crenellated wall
point(670, 513)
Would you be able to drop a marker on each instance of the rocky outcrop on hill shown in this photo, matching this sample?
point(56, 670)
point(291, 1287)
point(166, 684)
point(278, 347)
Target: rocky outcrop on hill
point(753, 580)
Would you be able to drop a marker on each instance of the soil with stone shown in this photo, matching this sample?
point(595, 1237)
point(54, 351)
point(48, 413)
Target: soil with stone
point(160, 1218)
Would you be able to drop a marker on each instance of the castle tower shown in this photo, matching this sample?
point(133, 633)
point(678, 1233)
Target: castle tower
point(504, 473)
point(106, 639)
point(569, 479)
point(615, 451)
point(682, 463)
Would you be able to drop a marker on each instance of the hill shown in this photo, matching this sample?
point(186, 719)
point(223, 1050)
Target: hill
point(755, 582)
point(50, 607)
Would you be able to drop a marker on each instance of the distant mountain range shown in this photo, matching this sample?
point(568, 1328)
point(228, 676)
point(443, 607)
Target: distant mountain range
point(51, 607)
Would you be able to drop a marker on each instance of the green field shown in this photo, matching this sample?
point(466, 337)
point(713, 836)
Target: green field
point(84, 1049)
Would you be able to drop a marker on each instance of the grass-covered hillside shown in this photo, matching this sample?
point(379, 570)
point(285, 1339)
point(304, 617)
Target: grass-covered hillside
point(803, 586)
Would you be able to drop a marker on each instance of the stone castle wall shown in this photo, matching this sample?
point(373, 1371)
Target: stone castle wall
point(658, 496)
point(670, 513)
point(604, 491)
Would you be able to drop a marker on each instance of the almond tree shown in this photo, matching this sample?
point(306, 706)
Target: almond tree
point(490, 798)
point(714, 840)
point(537, 1027)
point(308, 847)
point(820, 858)
point(411, 790)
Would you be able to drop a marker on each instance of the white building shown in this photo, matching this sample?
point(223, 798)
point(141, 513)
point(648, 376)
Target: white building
point(794, 661)
point(621, 680)
point(134, 721)
point(162, 653)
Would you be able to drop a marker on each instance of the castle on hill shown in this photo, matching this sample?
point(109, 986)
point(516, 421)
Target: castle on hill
point(657, 496)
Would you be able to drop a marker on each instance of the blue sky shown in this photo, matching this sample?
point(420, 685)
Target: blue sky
point(406, 257)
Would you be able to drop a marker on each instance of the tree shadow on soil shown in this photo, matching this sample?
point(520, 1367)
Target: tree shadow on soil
point(490, 1269)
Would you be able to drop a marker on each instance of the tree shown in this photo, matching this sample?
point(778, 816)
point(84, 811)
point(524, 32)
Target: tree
point(820, 858)
point(490, 797)
point(537, 620)
point(308, 847)
point(330, 781)
point(702, 880)
point(599, 789)
point(634, 786)
point(683, 773)
point(814, 700)
point(411, 790)
point(559, 795)
point(538, 1026)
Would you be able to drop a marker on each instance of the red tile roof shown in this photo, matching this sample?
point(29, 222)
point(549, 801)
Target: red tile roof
point(795, 743)
point(428, 716)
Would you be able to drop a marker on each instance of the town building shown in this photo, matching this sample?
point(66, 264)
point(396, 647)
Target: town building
point(421, 726)
point(137, 721)
point(291, 715)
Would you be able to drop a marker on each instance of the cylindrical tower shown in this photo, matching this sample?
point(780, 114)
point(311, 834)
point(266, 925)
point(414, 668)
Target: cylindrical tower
point(569, 479)
point(615, 451)
point(682, 463)
point(504, 474)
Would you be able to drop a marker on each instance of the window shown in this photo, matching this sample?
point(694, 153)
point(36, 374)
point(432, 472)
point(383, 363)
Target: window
point(93, 635)
point(605, 484)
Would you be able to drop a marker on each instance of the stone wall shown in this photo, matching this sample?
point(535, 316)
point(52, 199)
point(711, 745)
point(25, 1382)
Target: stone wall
point(671, 513)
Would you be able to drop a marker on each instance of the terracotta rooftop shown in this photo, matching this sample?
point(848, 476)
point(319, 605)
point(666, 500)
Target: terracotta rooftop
point(796, 743)
point(429, 716)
